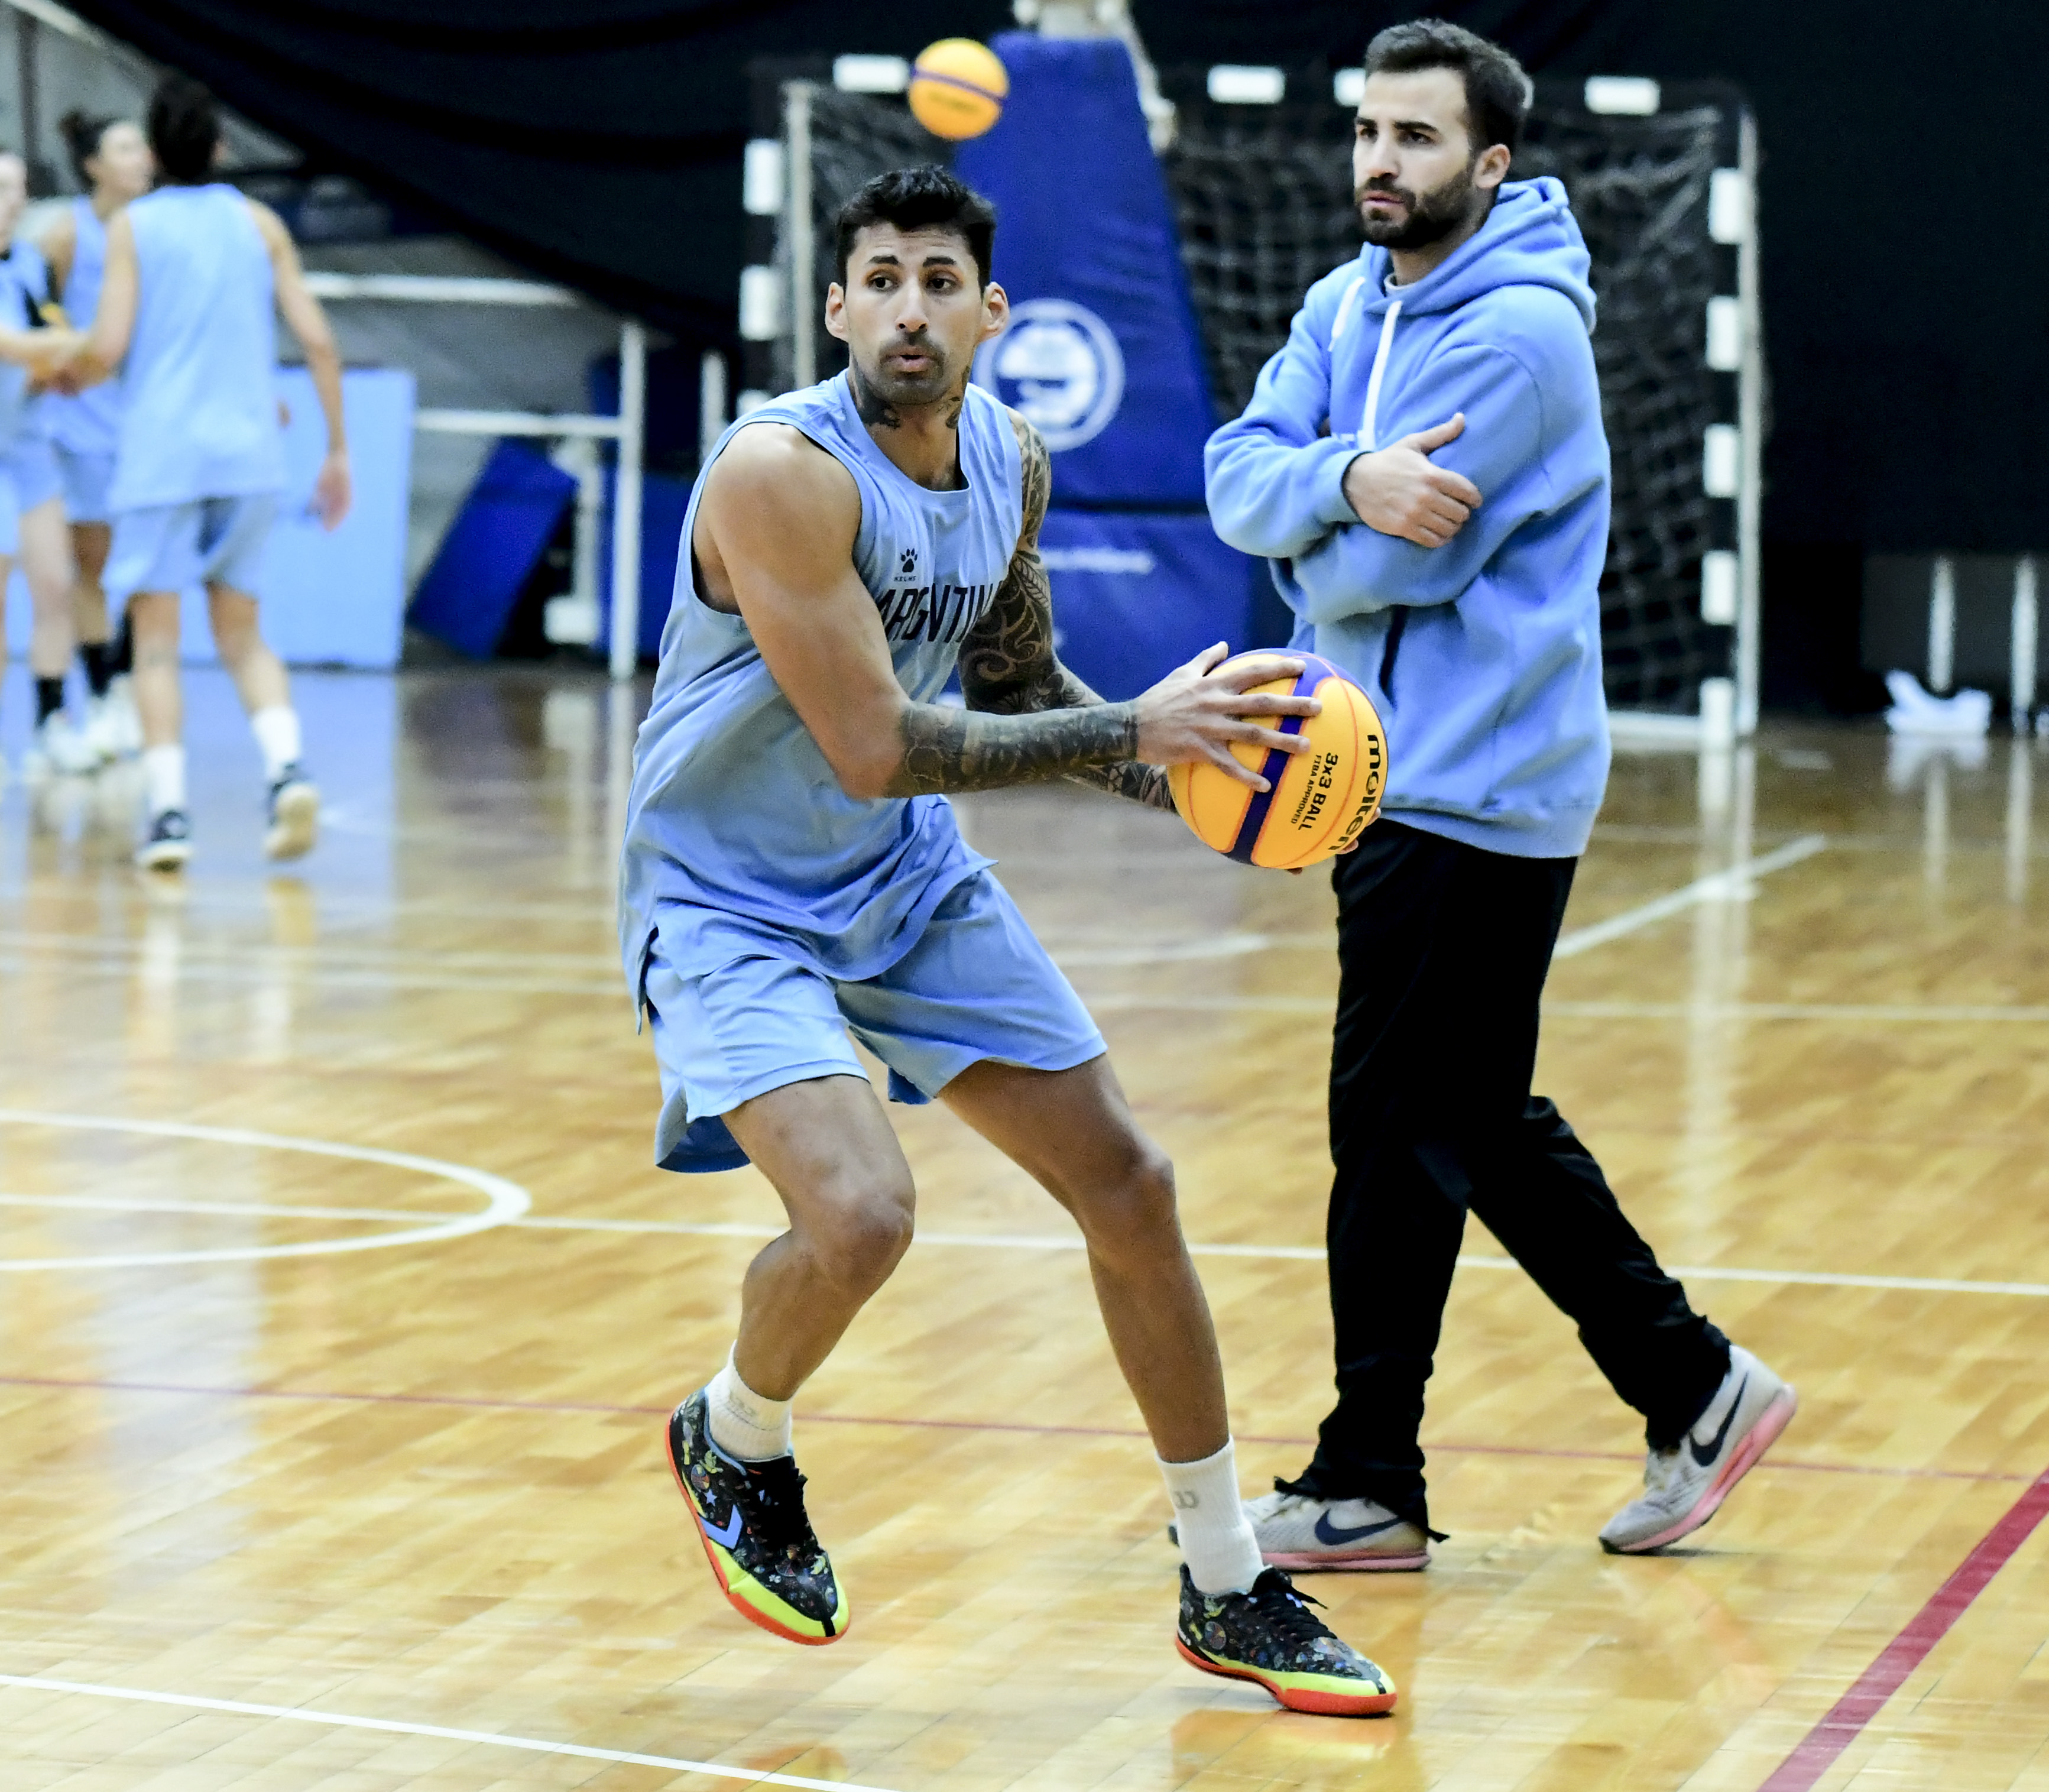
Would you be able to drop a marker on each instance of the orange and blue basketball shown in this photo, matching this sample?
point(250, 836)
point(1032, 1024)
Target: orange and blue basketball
point(958, 87)
point(1318, 802)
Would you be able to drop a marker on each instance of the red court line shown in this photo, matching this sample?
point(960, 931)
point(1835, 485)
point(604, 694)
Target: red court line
point(1856, 1709)
point(480, 1403)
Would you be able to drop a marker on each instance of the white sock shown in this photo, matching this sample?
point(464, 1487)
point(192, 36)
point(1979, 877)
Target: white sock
point(1216, 1537)
point(277, 732)
point(746, 1425)
point(164, 778)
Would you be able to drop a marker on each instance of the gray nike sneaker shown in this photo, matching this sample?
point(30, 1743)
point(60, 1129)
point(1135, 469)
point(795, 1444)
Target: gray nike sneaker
point(1343, 1536)
point(1684, 1488)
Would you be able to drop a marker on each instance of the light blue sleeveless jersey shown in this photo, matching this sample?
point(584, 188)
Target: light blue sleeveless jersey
point(739, 841)
point(199, 401)
point(25, 283)
point(86, 424)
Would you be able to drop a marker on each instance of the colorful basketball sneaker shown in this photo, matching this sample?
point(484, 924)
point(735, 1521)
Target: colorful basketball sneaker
point(1270, 1635)
point(750, 1517)
point(1298, 1532)
point(1684, 1488)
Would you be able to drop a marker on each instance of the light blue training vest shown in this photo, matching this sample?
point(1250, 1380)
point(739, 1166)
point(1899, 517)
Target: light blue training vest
point(739, 840)
point(199, 400)
point(87, 423)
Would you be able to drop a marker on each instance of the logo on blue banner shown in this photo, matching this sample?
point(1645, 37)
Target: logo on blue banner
point(1058, 363)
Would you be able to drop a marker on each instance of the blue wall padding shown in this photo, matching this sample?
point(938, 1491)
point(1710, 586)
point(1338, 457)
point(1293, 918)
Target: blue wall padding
point(338, 597)
point(1133, 596)
point(664, 500)
point(670, 417)
point(1085, 245)
point(504, 526)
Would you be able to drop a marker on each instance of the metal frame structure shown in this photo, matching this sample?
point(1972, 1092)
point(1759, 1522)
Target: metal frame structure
point(628, 430)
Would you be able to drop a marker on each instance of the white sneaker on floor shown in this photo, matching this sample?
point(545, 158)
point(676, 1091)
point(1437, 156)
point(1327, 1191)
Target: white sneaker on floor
point(294, 816)
point(1684, 1488)
point(123, 726)
point(1338, 1536)
point(58, 749)
point(103, 731)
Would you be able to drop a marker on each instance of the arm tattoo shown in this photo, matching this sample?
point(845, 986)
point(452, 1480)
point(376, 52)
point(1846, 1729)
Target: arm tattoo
point(1008, 666)
point(959, 750)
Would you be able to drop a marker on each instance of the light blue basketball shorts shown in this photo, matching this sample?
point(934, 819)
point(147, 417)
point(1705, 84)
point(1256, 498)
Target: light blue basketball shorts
point(977, 984)
point(173, 547)
point(32, 464)
point(86, 479)
point(10, 517)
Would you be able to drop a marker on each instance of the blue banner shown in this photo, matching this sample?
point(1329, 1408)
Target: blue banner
point(1133, 596)
point(1102, 352)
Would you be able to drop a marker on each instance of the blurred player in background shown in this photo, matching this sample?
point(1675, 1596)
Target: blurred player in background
point(791, 872)
point(112, 159)
point(33, 531)
point(195, 276)
point(1425, 465)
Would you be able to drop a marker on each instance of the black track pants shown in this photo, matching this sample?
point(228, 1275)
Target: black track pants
point(1442, 951)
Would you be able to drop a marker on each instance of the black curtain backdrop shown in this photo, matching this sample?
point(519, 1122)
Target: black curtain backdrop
point(1904, 250)
point(597, 142)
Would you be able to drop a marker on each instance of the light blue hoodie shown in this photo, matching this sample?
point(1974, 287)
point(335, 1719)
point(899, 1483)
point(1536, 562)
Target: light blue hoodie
point(1483, 655)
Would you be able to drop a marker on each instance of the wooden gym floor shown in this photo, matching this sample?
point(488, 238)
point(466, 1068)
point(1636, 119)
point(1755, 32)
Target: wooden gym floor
point(281, 1512)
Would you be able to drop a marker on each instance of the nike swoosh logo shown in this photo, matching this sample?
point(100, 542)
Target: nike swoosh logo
point(1332, 1534)
point(725, 1539)
point(1703, 1457)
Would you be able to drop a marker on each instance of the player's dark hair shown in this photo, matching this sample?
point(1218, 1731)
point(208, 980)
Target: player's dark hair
point(185, 125)
point(1496, 91)
point(923, 198)
point(82, 131)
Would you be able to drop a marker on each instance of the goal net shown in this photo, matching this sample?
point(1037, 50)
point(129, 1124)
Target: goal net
point(1263, 199)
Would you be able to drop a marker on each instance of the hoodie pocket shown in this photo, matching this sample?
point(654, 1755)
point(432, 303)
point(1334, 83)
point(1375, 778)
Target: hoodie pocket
point(1395, 629)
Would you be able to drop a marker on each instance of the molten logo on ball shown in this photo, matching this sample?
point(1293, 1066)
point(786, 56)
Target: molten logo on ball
point(1318, 802)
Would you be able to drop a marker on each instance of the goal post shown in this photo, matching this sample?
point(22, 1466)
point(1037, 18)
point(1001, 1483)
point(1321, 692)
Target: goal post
point(1661, 179)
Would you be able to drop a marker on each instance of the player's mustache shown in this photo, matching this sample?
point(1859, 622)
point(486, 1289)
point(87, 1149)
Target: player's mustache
point(1383, 186)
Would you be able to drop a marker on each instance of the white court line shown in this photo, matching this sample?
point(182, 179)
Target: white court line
point(1721, 886)
point(220, 962)
point(505, 1200)
point(343, 1721)
point(973, 1241)
point(1297, 1254)
point(256, 1209)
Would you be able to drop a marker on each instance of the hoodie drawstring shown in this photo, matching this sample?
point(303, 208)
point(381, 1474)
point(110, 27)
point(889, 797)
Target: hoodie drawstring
point(1368, 437)
point(1344, 307)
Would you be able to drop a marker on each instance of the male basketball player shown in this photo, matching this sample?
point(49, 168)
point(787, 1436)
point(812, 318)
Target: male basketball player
point(33, 531)
point(1425, 465)
point(793, 873)
point(193, 271)
point(112, 159)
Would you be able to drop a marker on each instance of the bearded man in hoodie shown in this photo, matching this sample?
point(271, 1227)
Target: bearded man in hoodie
point(1424, 466)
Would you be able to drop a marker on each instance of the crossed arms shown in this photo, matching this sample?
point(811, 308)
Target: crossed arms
point(1278, 487)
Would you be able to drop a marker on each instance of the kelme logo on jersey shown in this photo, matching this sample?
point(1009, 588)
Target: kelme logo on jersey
point(1058, 363)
